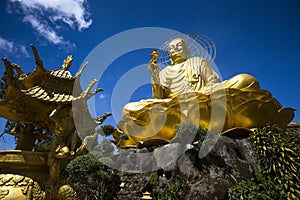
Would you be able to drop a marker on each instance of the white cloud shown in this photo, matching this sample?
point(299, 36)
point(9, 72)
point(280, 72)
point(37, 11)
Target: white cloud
point(47, 16)
point(102, 96)
point(43, 29)
point(68, 11)
point(9, 47)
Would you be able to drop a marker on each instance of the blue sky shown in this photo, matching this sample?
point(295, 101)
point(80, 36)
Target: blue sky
point(256, 37)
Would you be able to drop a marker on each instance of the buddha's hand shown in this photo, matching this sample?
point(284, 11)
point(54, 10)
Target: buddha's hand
point(154, 70)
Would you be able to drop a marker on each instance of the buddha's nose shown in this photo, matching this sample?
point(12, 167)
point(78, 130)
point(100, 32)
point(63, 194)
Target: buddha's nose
point(176, 50)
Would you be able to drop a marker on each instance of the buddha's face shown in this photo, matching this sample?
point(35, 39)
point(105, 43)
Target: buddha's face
point(178, 50)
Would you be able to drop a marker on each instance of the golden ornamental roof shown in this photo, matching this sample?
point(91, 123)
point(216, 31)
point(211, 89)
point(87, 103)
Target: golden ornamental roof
point(31, 98)
point(41, 94)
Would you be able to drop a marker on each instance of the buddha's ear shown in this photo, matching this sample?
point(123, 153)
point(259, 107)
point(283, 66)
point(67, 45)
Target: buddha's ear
point(187, 49)
point(172, 62)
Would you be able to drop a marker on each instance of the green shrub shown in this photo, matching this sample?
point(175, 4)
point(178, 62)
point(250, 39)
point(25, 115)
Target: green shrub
point(189, 134)
point(163, 189)
point(279, 160)
point(88, 176)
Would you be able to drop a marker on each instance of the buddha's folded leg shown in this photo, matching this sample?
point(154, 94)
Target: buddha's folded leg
point(140, 105)
point(243, 82)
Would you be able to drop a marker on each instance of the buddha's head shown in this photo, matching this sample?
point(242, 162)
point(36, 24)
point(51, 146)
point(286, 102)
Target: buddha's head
point(178, 50)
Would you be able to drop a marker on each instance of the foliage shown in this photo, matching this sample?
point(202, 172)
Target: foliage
point(103, 151)
point(106, 130)
point(190, 134)
point(9, 125)
point(279, 160)
point(254, 189)
point(3, 86)
point(185, 134)
point(163, 189)
point(89, 177)
point(43, 145)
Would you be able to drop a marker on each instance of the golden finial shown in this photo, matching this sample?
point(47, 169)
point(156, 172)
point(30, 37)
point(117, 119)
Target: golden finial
point(67, 63)
point(154, 55)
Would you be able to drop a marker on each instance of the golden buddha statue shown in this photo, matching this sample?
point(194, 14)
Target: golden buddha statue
point(185, 90)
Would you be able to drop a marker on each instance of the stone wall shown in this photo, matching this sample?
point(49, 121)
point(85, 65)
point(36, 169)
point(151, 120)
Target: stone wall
point(229, 162)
